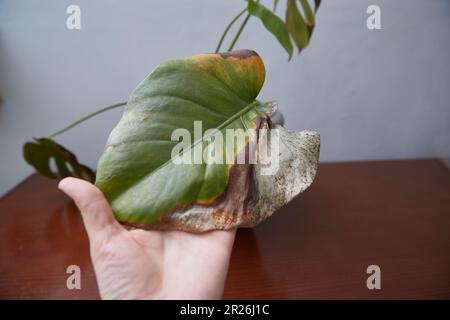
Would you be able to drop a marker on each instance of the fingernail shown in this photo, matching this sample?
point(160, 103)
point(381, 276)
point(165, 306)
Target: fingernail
point(61, 184)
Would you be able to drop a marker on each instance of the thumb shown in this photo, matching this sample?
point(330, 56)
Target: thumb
point(95, 210)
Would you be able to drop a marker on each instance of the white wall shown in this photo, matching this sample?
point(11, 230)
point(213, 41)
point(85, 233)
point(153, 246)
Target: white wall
point(371, 94)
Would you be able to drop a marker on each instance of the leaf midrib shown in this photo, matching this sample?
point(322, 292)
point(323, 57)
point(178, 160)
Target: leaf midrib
point(224, 124)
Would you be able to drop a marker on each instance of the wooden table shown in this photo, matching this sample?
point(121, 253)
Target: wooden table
point(394, 214)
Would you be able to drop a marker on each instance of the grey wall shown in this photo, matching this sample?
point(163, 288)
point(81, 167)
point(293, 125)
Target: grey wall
point(371, 94)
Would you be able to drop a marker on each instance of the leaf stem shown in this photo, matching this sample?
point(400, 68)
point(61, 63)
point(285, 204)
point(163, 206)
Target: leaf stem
point(238, 34)
point(236, 37)
point(228, 28)
point(116, 105)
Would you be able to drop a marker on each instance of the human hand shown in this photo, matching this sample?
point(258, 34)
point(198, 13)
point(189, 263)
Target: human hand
point(139, 264)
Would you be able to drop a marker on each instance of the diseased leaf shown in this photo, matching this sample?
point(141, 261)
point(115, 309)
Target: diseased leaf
point(273, 24)
point(43, 151)
point(298, 161)
point(147, 189)
point(136, 173)
point(296, 25)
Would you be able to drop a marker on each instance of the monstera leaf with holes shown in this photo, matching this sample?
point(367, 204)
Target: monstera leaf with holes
point(41, 152)
point(147, 189)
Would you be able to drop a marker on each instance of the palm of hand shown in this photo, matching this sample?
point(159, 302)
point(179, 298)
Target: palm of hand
point(140, 264)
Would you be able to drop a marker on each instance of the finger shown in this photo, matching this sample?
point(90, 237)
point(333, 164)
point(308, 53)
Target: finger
point(95, 210)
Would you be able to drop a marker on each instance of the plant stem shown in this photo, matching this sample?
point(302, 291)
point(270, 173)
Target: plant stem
point(86, 118)
point(236, 37)
point(275, 5)
point(238, 34)
point(228, 28)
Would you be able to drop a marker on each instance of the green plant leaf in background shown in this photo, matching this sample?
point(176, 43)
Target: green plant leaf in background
point(136, 172)
point(296, 25)
point(41, 152)
point(273, 24)
point(310, 14)
point(299, 27)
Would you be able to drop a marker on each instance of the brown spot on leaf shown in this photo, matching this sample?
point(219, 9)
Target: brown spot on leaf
point(240, 54)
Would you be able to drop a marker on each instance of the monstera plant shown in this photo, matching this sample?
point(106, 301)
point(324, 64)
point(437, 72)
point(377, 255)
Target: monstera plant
point(137, 173)
point(298, 24)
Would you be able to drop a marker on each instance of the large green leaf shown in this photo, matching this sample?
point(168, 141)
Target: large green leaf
point(273, 24)
point(136, 172)
point(40, 154)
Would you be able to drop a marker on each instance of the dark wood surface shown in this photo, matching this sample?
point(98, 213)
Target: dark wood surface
point(395, 214)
